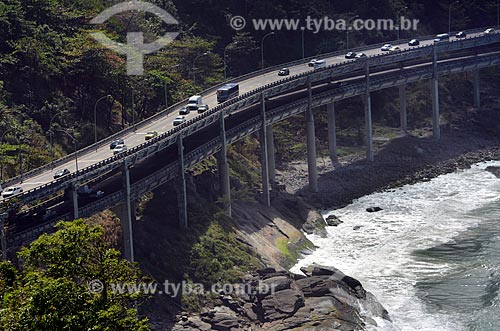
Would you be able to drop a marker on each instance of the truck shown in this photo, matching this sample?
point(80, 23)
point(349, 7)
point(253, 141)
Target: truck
point(194, 102)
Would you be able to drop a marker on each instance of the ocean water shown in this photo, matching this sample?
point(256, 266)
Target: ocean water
point(431, 257)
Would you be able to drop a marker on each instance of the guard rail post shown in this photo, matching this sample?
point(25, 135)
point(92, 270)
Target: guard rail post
point(477, 85)
point(225, 184)
point(127, 214)
point(311, 142)
point(271, 155)
point(332, 133)
point(264, 154)
point(368, 115)
point(403, 108)
point(435, 98)
point(182, 191)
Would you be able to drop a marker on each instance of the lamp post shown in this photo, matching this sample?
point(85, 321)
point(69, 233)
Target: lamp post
point(74, 143)
point(224, 59)
point(398, 17)
point(449, 15)
point(498, 13)
point(262, 47)
point(194, 61)
point(303, 49)
point(165, 85)
point(95, 118)
point(51, 133)
point(1, 144)
point(349, 21)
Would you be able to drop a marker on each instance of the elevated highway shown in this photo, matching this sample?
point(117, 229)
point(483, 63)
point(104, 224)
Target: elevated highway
point(265, 100)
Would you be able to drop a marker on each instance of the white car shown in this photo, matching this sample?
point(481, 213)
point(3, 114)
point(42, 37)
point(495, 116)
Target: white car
point(394, 49)
point(312, 62)
point(11, 191)
point(120, 149)
point(179, 120)
point(489, 31)
point(386, 48)
point(360, 56)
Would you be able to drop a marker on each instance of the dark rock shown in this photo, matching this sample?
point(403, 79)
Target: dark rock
point(278, 283)
point(357, 227)
point(333, 220)
point(265, 271)
point(281, 304)
point(373, 209)
point(315, 286)
point(494, 170)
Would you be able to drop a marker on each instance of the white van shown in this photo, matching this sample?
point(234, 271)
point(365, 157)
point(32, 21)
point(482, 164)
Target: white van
point(318, 64)
point(443, 37)
point(194, 102)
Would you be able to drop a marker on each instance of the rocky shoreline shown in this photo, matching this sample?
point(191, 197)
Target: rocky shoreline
point(322, 299)
point(402, 161)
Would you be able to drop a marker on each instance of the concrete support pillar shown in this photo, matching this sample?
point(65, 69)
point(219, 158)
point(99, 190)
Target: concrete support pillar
point(435, 99)
point(271, 155)
point(435, 109)
point(182, 191)
point(403, 108)
point(225, 185)
point(332, 133)
point(368, 116)
point(264, 155)
point(311, 143)
point(127, 214)
point(477, 85)
point(74, 200)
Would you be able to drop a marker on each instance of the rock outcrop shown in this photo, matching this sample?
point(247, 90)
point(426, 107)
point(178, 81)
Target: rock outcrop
point(278, 301)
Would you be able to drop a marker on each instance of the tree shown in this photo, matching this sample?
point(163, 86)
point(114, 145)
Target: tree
point(51, 291)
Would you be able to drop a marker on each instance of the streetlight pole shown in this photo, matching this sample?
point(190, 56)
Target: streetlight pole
point(1, 144)
point(449, 15)
point(303, 49)
point(95, 118)
point(75, 146)
point(262, 47)
point(398, 17)
point(194, 61)
point(225, 63)
point(51, 133)
point(349, 21)
point(498, 13)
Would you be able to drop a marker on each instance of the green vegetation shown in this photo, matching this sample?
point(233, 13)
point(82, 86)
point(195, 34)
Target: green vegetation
point(51, 289)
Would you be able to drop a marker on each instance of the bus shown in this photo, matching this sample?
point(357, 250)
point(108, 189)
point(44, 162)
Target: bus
point(227, 92)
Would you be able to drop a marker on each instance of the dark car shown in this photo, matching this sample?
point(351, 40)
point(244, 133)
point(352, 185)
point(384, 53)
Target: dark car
point(284, 72)
point(116, 143)
point(184, 111)
point(202, 109)
point(350, 55)
point(61, 173)
point(461, 34)
point(414, 42)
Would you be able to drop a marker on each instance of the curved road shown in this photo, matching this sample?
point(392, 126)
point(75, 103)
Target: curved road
point(164, 123)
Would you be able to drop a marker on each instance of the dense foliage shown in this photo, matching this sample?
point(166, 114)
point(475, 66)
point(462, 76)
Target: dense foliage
point(51, 291)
